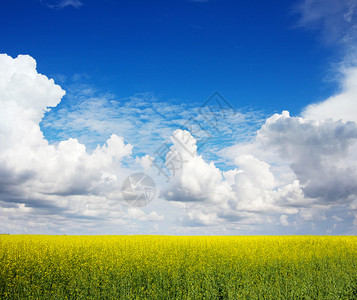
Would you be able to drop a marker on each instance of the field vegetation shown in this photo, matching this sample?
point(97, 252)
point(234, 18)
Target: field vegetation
point(175, 267)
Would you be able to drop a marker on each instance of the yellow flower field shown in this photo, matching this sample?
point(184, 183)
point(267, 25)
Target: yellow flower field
point(175, 267)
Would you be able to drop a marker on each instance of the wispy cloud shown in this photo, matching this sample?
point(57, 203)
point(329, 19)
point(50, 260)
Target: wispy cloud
point(60, 4)
point(336, 19)
point(142, 119)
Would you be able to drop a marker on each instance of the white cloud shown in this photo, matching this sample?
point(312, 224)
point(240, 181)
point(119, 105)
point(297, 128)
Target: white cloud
point(193, 179)
point(46, 179)
point(332, 177)
point(69, 181)
point(342, 106)
point(63, 169)
point(145, 161)
point(284, 220)
point(317, 152)
point(296, 171)
point(211, 196)
point(313, 214)
point(304, 167)
point(138, 215)
point(254, 185)
point(336, 19)
point(60, 4)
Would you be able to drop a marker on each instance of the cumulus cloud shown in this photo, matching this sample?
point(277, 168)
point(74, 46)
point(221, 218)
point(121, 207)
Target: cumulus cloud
point(69, 181)
point(61, 178)
point(298, 170)
point(212, 196)
point(145, 161)
point(253, 184)
point(294, 172)
point(193, 179)
point(63, 169)
point(317, 152)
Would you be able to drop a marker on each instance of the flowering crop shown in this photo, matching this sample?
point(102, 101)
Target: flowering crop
point(178, 267)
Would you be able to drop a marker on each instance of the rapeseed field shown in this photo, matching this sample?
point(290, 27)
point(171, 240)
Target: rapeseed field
point(178, 267)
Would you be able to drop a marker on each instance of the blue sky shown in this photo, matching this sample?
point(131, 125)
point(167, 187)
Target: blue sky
point(129, 74)
point(250, 51)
